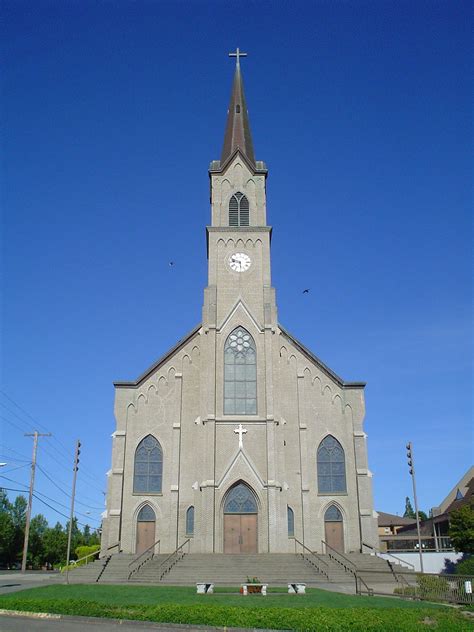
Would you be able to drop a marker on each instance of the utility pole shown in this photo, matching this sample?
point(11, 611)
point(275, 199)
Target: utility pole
point(71, 518)
point(411, 465)
point(35, 434)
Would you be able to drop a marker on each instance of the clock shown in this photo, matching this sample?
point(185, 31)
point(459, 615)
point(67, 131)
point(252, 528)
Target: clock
point(239, 262)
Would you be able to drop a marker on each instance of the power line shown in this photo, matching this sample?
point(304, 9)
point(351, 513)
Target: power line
point(65, 492)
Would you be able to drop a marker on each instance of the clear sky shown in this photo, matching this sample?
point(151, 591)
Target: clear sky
point(112, 112)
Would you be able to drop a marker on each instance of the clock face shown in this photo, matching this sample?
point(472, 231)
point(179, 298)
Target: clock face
point(239, 262)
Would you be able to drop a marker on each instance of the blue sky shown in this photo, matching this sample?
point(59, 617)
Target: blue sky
point(112, 112)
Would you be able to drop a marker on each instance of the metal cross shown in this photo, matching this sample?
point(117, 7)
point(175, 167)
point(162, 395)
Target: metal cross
point(240, 430)
point(238, 55)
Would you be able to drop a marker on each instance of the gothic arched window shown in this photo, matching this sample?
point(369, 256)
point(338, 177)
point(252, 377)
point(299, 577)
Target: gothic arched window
point(148, 468)
point(238, 210)
point(291, 522)
point(331, 467)
point(240, 500)
point(333, 514)
point(240, 374)
point(146, 514)
point(190, 521)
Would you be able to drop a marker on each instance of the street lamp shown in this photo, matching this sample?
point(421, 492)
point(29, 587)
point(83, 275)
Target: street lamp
point(411, 466)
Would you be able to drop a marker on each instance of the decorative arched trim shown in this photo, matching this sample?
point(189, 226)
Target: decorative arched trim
point(190, 521)
point(291, 522)
point(148, 467)
point(240, 499)
point(333, 514)
point(146, 514)
point(240, 374)
point(331, 467)
point(238, 210)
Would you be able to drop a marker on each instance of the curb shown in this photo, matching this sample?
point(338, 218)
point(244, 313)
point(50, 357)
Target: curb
point(150, 625)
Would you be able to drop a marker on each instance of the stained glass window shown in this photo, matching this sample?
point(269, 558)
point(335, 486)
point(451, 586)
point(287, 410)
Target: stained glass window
point(332, 514)
point(331, 466)
point(146, 514)
point(148, 466)
point(190, 521)
point(238, 210)
point(240, 500)
point(240, 374)
point(291, 522)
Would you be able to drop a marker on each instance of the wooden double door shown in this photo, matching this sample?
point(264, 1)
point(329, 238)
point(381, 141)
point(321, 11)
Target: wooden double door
point(145, 536)
point(334, 532)
point(240, 533)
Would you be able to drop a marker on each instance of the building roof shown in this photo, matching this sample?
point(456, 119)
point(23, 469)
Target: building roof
point(391, 520)
point(461, 488)
point(237, 132)
point(461, 498)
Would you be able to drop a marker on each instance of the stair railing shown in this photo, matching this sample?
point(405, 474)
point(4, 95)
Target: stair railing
point(142, 559)
point(313, 558)
point(379, 553)
point(338, 557)
point(173, 559)
point(75, 563)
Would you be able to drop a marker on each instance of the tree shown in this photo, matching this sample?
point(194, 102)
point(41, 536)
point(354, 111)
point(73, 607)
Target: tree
point(409, 511)
point(55, 544)
point(7, 531)
point(461, 529)
point(36, 552)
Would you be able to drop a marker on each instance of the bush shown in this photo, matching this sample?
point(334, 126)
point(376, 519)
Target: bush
point(465, 566)
point(82, 551)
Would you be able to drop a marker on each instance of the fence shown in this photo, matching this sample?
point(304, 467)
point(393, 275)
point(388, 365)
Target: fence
point(423, 586)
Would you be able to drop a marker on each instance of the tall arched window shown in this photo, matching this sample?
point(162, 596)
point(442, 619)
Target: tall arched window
point(240, 374)
point(238, 210)
point(148, 468)
point(331, 466)
point(190, 521)
point(291, 522)
point(146, 514)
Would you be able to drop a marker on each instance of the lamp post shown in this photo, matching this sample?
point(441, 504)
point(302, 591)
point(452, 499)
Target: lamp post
point(411, 466)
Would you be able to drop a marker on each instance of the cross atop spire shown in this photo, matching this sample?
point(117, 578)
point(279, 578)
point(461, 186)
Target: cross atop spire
point(237, 133)
point(237, 55)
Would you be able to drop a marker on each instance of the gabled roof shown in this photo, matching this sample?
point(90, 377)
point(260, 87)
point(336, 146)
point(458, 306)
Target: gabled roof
point(159, 362)
point(392, 520)
point(319, 362)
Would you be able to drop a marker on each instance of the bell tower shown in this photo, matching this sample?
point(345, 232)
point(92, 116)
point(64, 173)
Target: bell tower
point(238, 238)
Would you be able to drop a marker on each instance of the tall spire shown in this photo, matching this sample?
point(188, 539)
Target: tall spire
point(237, 132)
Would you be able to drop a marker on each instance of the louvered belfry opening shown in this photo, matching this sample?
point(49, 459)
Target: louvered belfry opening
point(239, 213)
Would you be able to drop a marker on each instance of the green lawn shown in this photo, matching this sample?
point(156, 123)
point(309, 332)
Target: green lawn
point(319, 610)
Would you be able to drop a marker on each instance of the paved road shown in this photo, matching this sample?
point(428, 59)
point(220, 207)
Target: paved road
point(71, 624)
point(11, 581)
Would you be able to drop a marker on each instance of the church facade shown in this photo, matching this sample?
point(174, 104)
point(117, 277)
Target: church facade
point(239, 438)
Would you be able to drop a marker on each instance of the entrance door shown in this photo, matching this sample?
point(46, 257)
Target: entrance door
point(145, 529)
point(240, 533)
point(334, 529)
point(240, 520)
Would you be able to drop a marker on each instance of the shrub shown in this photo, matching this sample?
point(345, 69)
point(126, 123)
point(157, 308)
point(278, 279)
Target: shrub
point(465, 566)
point(82, 551)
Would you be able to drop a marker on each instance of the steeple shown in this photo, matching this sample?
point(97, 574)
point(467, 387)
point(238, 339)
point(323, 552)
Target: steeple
point(237, 132)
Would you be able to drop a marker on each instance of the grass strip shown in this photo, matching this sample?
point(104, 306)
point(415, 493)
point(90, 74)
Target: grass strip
point(320, 619)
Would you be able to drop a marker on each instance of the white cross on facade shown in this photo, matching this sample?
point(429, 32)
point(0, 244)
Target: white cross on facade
point(240, 431)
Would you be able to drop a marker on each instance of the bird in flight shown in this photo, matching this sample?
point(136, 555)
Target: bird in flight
point(306, 291)
point(171, 263)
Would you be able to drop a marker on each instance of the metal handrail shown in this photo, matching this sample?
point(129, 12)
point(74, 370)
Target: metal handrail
point(314, 555)
point(150, 550)
point(112, 546)
point(172, 559)
point(75, 562)
point(378, 552)
point(346, 563)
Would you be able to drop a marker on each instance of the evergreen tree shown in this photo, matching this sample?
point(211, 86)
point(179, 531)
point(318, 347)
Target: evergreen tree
point(461, 529)
point(409, 511)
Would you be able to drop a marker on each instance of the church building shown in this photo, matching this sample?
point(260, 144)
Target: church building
point(239, 438)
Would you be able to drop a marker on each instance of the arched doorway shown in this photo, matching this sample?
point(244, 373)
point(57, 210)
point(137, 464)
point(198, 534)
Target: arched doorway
point(146, 523)
point(334, 528)
point(240, 520)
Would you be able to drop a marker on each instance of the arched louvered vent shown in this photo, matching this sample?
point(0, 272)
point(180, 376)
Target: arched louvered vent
point(239, 213)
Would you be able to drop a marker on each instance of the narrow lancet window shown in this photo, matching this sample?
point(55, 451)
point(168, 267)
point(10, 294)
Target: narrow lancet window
point(239, 210)
point(148, 469)
point(190, 521)
point(291, 523)
point(331, 467)
point(240, 374)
